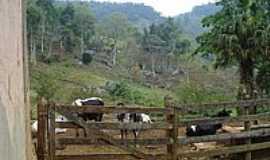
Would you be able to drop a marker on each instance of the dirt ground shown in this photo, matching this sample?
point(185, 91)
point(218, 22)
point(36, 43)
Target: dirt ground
point(147, 134)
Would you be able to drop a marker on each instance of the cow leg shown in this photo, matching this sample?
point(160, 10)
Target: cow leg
point(84, 132)
point(122, 134)
point(125, 136)
point(77, 132)
point(99, 117)
point(135, 133)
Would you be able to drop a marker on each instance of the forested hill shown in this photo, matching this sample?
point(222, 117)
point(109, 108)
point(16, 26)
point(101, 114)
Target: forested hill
point(138, 14)
point(191, 21)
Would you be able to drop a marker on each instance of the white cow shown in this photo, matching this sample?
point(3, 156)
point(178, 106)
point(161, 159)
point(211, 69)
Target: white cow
point(59, 118)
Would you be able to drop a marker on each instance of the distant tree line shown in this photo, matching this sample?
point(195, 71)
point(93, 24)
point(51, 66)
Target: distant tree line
point(58, 29)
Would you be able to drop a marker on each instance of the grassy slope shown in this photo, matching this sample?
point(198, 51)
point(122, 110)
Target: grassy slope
point(65, 81)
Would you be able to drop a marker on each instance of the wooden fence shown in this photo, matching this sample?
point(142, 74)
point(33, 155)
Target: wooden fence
point(174, 120)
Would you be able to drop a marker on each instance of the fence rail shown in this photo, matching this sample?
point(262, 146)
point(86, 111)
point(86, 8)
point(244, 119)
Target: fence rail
point(47, 139)
point(104, 157)
point(117, 126)
point(263, 117)
point(233, 104)
point(110, 109)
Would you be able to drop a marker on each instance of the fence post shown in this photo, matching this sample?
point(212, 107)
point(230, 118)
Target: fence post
point(51, 131)
point(247, 125)
point(172, 118)
point(41, 134)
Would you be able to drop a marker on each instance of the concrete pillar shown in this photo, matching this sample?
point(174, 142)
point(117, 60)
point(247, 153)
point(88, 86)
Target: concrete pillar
point(14, 136)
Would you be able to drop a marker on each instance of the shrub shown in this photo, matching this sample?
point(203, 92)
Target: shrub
point(44, 85)
point(118, 89)
point(79, 93)
point(192, 93)
point(122, 90)
point(50, 59)
point(87, 58)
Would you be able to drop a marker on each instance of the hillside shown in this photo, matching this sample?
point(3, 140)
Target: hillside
point(92, 52)
point(191, 21)
point(137, 14)
point(68, 80)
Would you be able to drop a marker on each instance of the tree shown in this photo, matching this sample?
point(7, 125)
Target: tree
point(153, 45)
point(115, 27)
point(47, 19)
point(84, 22)
point(67, 27)
point(33, 21)
point(235, 37)
point(164, 41)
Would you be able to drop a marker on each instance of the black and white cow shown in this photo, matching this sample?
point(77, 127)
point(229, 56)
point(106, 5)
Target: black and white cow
point(132, 118)
point(96, 101)
point(97, 117)
point(202, 129)
point(207, 128)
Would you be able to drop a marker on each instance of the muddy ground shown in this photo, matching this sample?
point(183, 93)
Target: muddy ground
point(150, 149)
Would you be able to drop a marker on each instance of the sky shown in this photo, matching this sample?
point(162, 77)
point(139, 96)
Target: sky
point(167, 7)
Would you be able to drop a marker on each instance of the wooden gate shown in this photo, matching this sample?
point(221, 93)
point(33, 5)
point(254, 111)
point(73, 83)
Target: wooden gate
point(47, 139)
point(174, 119)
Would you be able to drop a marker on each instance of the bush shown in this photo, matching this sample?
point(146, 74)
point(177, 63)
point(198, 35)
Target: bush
point(44, 85)
point(87, 58)
point(121, 90)
point(50, 59)
point(79, 93)
point(118, 89)
point(192, 93)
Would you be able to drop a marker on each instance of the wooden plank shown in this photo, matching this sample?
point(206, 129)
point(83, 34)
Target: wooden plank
point(247, 126)
point(116, 126)
point(96, 109)
point(227, 150)
point(207, 106)
point(175, 135)
point(90, 141)
point(186, 122)
point(260, 126)
point(41, 135)
point(51, 132)
point(96, 133)
point(171, 118)
point(103, 157)
point(226, 136)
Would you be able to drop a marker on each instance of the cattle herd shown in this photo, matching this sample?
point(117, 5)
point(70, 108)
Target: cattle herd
point(137, 118)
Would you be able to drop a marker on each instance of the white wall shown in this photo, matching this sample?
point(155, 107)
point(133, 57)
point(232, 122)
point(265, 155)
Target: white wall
point(12, 108)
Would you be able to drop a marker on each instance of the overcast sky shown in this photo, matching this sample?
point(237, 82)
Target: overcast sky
point(168, 7)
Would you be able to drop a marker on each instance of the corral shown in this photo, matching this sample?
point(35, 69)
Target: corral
point(164, 139)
